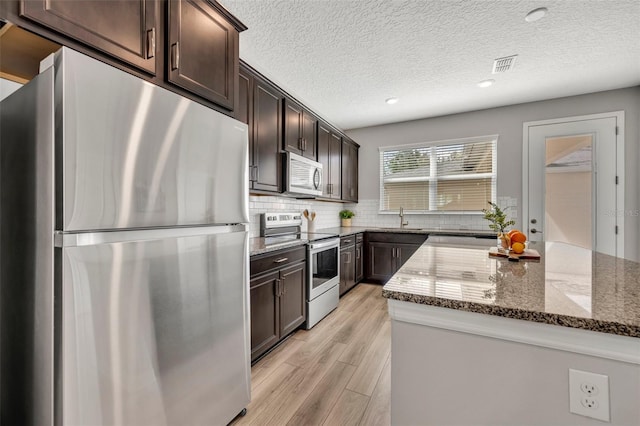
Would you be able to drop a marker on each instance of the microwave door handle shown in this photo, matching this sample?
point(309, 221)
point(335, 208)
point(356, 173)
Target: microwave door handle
point(316, 179)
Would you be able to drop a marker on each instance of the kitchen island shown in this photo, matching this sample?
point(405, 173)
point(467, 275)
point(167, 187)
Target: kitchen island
point(480, 340)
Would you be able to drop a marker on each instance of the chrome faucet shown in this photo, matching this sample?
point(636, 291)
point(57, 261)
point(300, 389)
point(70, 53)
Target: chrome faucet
point(402, 222)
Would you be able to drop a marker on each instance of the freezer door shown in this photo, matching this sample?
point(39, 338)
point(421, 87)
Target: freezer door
point(155, 331)
point(132, 154)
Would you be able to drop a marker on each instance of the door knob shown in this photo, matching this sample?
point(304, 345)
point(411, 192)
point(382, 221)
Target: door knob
point(534, 221)
point(535, 231)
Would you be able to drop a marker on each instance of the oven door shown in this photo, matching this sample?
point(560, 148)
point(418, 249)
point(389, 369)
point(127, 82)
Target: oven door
point(324, 267)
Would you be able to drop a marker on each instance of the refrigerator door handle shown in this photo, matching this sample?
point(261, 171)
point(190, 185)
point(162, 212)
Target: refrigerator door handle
point(78, 239)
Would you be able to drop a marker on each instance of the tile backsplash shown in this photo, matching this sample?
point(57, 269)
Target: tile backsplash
point(326, 212)
point(367, 214)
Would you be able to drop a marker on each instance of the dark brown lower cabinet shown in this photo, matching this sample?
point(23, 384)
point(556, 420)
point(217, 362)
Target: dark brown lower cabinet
point(347, 268)
point(292, 301)
point(382, 261)
point(387, 252)
point(265, 313)
point(351, 262)
point(359, 263)
point(277, 297)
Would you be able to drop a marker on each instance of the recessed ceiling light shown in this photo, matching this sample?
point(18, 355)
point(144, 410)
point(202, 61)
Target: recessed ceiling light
point(392, 101)
point(486, 83)
point(536, 14)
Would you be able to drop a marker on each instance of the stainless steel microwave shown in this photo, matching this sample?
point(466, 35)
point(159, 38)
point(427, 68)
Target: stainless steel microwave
point(303, 176)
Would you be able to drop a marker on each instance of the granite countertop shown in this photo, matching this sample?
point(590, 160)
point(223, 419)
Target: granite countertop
point(257, 245)
point(350, 230)
point(569, 286)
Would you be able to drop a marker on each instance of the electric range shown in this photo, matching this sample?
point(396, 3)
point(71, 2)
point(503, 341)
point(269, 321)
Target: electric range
point(323, 260)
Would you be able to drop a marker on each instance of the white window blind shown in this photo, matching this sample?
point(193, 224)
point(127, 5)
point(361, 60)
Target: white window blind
point(448, 176)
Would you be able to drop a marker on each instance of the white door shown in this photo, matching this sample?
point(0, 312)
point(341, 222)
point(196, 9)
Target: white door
point(570, 182)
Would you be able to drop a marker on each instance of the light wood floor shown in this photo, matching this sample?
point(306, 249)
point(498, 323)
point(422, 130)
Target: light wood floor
point(337, 373)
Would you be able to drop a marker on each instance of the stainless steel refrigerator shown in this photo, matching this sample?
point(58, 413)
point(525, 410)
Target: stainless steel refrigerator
point(124, 253)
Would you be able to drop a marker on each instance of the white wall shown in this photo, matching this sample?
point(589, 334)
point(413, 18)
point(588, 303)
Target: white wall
point(507, 122)
point(7, 87)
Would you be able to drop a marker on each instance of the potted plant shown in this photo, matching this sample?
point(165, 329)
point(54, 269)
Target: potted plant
point(499, 223)
point(345, 217)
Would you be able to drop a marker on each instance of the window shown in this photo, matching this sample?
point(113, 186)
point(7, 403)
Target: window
point(447, 176)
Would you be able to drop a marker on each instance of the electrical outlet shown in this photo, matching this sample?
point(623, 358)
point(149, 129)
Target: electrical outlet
point(589, 394)
point(588, 402)
point(589, 388)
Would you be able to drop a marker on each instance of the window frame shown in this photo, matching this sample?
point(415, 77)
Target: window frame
point(433, 179)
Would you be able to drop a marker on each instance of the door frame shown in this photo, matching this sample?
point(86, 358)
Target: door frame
point(619, 115)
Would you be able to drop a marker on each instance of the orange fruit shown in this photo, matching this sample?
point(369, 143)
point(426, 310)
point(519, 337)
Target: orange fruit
point(518, 237)
point(510, 233)
point(517, 248)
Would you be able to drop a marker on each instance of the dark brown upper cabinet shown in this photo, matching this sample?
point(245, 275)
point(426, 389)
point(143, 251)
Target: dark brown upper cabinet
point(242, 111)
point(300, 130)
point(259, 105)
point(349, 170)
point(203, 49)
point(267, 134)
point(329, 155)
point(125, 29)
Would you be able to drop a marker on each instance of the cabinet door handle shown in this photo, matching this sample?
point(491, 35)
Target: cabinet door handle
point(151, 43)
point(283, 287)
point(282, 259)
point(254, 173)
point(358, 254)
point(276, 289)
point(394, 253)
point(301, 144)
point(329, 188)
point(348, 257)
point(175, 55)
point(347, 241)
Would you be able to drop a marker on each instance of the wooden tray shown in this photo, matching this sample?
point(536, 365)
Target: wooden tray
point(528, 254)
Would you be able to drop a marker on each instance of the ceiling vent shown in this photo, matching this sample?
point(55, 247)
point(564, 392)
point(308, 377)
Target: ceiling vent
point(504, 64)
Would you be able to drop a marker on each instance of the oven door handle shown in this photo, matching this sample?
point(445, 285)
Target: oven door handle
point(324, 245)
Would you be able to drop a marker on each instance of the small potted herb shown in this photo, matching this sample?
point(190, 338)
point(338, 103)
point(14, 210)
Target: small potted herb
point(499, 223)
point(345, 217)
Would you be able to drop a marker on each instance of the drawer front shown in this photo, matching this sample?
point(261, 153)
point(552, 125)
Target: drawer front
point(399, 238)
point(277, 259)
point(347, 241)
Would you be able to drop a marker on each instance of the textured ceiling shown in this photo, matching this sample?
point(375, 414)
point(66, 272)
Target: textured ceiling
point(344, 58)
